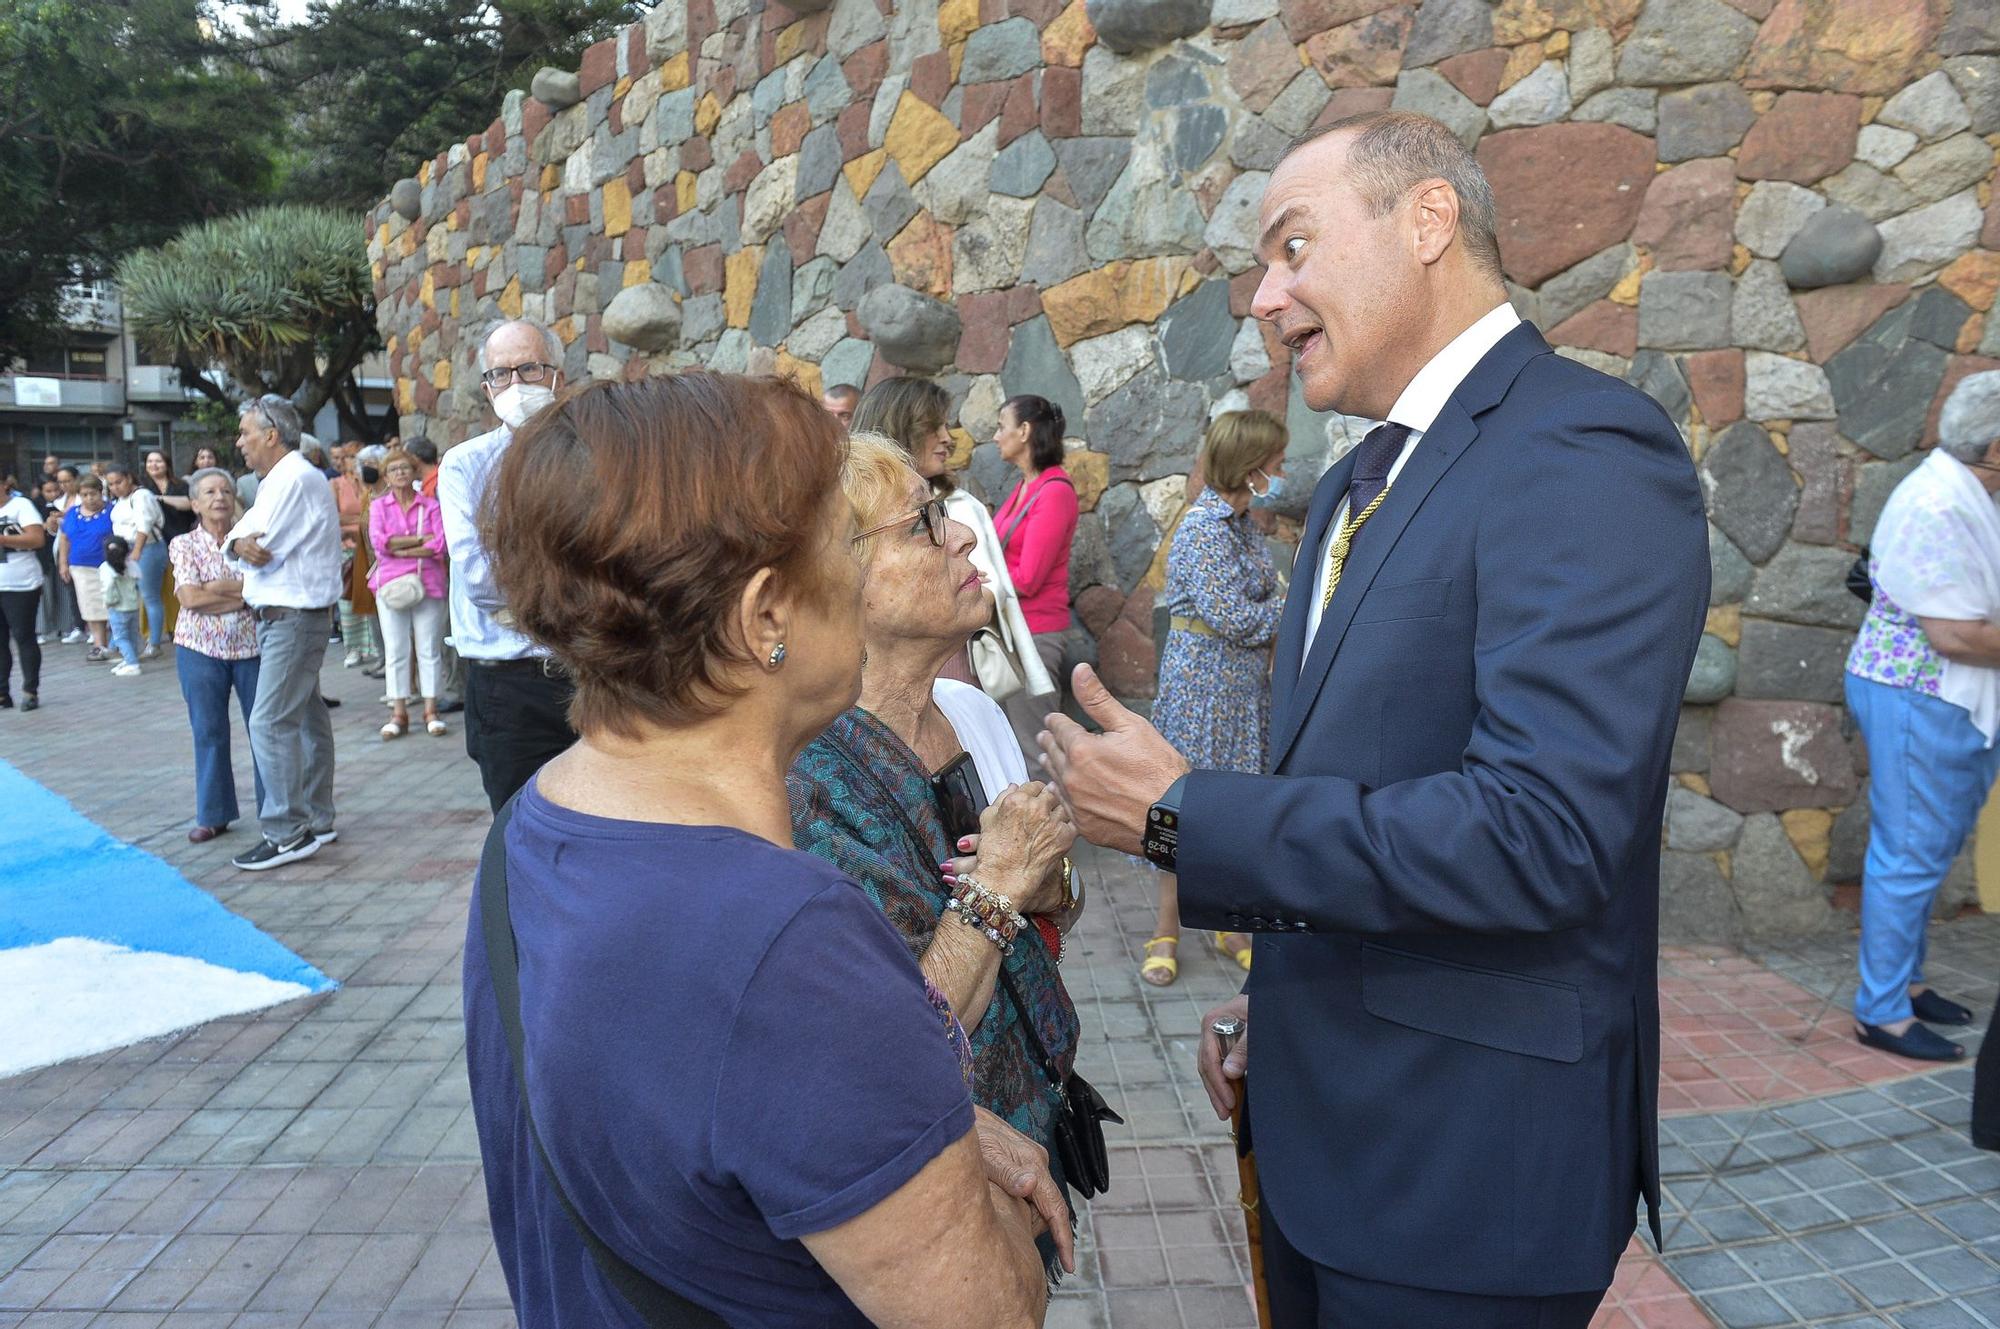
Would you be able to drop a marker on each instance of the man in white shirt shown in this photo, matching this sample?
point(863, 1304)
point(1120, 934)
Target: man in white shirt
point(288, 549)
point(516, 708)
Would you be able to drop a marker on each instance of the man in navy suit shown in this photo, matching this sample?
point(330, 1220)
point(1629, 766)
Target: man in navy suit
point(1453, 867)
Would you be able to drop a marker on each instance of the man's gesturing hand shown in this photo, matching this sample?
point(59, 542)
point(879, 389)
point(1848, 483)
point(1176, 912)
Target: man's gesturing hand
point(1219, 1074)
point(1108, 779)
point(1020, 1167)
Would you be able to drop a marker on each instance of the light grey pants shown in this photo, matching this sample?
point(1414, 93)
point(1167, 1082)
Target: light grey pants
point(291, 734)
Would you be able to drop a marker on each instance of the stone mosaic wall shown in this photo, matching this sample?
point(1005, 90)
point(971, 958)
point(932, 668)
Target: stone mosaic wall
point(1773, 215)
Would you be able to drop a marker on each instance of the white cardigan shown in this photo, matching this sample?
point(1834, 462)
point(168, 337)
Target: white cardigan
point(988, 557)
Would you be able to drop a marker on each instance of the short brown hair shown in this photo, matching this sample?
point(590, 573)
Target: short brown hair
point(628, 517)
point(906, 409)
point(1394, 151)
point(396, 454)
point(1237, 444)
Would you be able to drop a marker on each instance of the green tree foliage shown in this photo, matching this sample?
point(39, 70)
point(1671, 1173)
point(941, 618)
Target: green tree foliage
point(279, 298)
point(120, 122)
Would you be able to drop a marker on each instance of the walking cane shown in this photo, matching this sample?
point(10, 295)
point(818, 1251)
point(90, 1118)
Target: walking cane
point(1228, 1029)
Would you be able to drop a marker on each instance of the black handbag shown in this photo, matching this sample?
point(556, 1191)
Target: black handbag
point(1859, 584)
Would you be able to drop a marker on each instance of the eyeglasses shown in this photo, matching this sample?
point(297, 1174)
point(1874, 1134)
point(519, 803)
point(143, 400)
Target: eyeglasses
point(931, 517)
point(533, 372)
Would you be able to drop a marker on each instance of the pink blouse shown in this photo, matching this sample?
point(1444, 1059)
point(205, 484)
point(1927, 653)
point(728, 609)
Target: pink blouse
point(388, 518)
point(1037, 536)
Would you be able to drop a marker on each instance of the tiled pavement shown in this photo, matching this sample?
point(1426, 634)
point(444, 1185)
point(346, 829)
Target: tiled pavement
point(315, 1164)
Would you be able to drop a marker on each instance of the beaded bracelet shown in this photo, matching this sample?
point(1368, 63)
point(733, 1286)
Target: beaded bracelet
point(990, 913)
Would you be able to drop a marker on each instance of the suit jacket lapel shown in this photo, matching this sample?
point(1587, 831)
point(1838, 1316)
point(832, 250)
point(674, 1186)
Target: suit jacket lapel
point(1326, 498)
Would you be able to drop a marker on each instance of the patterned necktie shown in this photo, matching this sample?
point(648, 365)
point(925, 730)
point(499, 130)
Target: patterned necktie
point(1373, 461)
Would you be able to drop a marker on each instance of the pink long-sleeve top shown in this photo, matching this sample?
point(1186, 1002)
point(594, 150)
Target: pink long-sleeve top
point(386, 518)
point(1037, 545)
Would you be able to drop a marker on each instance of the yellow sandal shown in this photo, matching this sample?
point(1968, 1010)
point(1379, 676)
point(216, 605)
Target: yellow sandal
point(1239, 953)
point(1161, 964)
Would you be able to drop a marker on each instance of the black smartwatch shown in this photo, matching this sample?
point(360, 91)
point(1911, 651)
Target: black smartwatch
point(1161, 839)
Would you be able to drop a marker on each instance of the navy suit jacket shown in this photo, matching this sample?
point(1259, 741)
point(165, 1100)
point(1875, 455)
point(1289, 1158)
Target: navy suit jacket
point(1453, 871)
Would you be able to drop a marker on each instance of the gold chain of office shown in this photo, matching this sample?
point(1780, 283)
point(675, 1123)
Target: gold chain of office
point(1336, 558)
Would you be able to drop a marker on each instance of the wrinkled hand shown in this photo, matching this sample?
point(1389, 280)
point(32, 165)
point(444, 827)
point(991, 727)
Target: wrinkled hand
point(247, 550)
point(1020, 1167)
point(1218, 1074)
point(1108, 780)
point(1022, 839)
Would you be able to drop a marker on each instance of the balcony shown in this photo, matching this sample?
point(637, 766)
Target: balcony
point(61, 392)
point(93, 305)
point(155, 383)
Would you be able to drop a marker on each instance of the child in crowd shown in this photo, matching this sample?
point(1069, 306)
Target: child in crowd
point(119, 579)
point(80, 552)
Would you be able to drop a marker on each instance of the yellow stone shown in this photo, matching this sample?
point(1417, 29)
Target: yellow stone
point(919, 137)
point(510, 298)
point(1726, 622)
point(1626, 292)
point(920, 256)
point(551, 178)
point(804, 373)
point(1090, 472)
point(1068, 36)
point(617, 206)
point(621, 87)
point(475, 257)
point(1870, 105)
point(1521, 62)
point(376, 270)
point(790, 42)
point(441, 375)
point(1739, 260)
point(1697, 783)
point(1810, 830)
point(424, 173)
point(957, 19)
point(1517, 21)
point(957, 56)
point(408, 245)
point(451, 220)
point(565, 330)
point(1557, 46)
point(707, 112)
point(861, 172)
point(1105, 300)
point(1761, 102)
point(479, 164)
point(427, 294)
point(739, 283)
point(406, 396)
point(453, 311)
point(1724, 864)
point(674, 73)
point(962, 444)
point(1971, 335)
point(1973, 277)
point(382, 235)
point(684, 191)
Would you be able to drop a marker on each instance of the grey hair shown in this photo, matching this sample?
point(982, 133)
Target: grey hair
point(1965, 425)
point(278, 414)
point(549, 339)
point(1394, 151)
point(194, 481)
point(371, 455)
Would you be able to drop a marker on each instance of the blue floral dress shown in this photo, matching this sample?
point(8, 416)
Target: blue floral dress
point(1215, 690)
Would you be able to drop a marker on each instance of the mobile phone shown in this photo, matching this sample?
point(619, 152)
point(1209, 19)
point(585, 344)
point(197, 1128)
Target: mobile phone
point(961, 797)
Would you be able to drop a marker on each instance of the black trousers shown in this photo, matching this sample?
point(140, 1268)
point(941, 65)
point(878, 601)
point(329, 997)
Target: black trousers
point(1305, 1295)
point(516, 718)
point(17, 621)
point(1986, 1088)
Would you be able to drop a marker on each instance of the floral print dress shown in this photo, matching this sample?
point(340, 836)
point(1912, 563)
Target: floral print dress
point(1215, 690)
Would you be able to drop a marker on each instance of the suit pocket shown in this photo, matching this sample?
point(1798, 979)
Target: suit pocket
point(1507, 1012)
point(1410, 599)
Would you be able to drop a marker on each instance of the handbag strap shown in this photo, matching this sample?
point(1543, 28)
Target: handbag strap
point(658, 1306)
point(1022, 515)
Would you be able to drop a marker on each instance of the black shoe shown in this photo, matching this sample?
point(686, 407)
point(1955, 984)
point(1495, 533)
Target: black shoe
point(6, 702)
point(1917, 1043)
point(31, 702)
point(450, 706)
point(1929, 1007)
point(332, 703)
point(269, 855)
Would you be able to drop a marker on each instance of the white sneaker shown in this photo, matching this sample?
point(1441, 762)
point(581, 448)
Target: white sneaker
point(72, 637)
point(126, 670)
point(353, 659)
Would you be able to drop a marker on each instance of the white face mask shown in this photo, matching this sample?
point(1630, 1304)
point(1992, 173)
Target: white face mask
point(520, 401)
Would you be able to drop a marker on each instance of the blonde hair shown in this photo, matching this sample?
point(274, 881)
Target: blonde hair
point(876, 481)
point(1237, 444)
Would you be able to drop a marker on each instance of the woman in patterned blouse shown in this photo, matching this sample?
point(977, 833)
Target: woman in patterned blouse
point(215, 648)
point(1225, 600)
point(1923, 682)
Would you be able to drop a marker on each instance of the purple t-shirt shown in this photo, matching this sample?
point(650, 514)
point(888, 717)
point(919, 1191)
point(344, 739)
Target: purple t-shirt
point(728, 1048)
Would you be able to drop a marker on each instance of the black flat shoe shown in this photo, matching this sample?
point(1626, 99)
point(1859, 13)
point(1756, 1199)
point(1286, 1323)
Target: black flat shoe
point(31, 702)
point(1917, 1043)
point(1929, 1007)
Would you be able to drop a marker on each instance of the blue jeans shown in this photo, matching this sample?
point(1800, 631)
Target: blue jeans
point(152, 589)
point(205, 683)
point(125, 633)
point(1929, 774)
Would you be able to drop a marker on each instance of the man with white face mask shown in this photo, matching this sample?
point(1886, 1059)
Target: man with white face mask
point(516, 709)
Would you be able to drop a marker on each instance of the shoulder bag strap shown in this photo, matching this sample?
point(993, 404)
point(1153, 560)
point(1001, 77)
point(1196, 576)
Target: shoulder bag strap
point(1022, 515)
point(658, 1306)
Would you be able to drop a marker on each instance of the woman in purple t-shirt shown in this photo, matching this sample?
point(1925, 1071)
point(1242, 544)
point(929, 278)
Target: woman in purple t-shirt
point(746, 1090)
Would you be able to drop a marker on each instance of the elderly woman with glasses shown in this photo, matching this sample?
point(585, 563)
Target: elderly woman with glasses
point(891, 794)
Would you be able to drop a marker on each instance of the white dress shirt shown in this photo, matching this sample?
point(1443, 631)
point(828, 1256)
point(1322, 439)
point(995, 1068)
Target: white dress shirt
point(463, 476)
point(1417, 409)
point(137, 514)
point(297, 521)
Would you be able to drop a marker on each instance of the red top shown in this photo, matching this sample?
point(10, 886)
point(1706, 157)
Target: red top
point(1038, 546)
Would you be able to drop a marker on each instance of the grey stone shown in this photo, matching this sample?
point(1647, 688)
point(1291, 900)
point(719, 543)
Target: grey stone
point(1937, 317)
point(1589, 281)
point(1445, 28)
point(1249, 359)
point(1865, 189)
point(406, 196)
point(556, 89)
point(771, 307)
point(1685, 41)
point(855, 24)
point(989, 474)
point(1714, 673)
point(1692, 739)
point(1750, 490)
point(1055, 243)
point(1704, 121)
point(1977, 78)
point(1774, 889)
point(1294, 109)
point(1635, 108)
point(1117, 99)
point(1772, 214)
point(988, 253)
point(1147, 212)
point(812, 287)
point(1882, 147)
point(1091, 165)
point(1729, 573)
point(1697, 908)
point(1035, 363)
point(826, 91)
point(910, 329)
point(1872, 486)
point(1806, 584)
point(1175, 81)
point(1151, 428)
point(1778, 388)
point(1971, 415)
point(888, 95)
point(819, 161)
point(1198, 132)
point(1232, 227)
point(702, 317)
point(1930, 108)
point(1974, 27)
point(1836, 245)
point(1126, 26)
point(889, 203)
point(1928, 238)
point(1762, 315)
point(770, 199)
point(1429, 92)
point(957, 188)
point(1941, 169)
point(1256, 146)
point(1023, 165)
point(731, 354)
point(1847, 844)
point(1129, 529)
point(846, 228)
point(674, 114)
point(1591, 63)
point(1241, 13)
point(765, 98)
point(1783, 661)
point(1104, 364)
point(1090, 556)
point(565, 132)
point(815, 336)
point(848, 362)
point(645, 317)
point(1883, 383)
point(1661, 377)
point(666, 32)
point(1196, 332)
point(1539, 99)
point(1684, 310)
point(1697, 824)
point(1002, 50)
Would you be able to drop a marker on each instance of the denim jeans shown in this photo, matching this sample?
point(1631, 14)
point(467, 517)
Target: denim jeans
point(205, 683)
point(152, 589)
point(125, 633)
